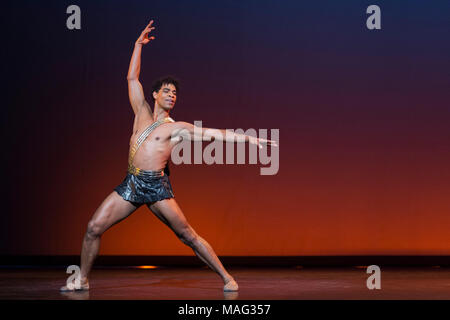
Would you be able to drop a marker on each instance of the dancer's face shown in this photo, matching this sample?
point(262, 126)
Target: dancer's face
point(166, 96)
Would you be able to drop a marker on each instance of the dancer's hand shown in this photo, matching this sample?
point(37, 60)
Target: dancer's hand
point(144, 38)
point(260, 142)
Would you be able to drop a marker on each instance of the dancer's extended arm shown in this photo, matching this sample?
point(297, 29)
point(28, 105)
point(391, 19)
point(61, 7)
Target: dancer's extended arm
point(135, 90)
point(188, 131)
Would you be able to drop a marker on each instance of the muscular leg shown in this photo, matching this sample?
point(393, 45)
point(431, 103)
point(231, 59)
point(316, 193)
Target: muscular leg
point(170, 213)
point(112, 210)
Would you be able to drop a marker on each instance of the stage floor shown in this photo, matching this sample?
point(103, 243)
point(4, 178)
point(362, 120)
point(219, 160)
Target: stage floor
point(165, 283)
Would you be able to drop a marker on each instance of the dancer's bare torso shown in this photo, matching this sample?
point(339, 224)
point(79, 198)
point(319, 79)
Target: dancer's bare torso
point(155, 151)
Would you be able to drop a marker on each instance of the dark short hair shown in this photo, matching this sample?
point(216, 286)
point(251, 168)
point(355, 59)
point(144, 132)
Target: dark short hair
point(157, 84)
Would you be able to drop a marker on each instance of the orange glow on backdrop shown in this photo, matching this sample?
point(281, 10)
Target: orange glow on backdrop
point(363, 118)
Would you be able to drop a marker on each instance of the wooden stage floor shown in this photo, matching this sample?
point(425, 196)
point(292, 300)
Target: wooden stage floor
point(200, 283)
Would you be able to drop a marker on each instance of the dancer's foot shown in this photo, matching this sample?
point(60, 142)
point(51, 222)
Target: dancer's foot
point(230, 285)
point(84, 285)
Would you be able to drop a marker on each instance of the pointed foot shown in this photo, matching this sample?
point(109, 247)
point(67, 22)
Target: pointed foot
point(231, 286)
point(83, 287)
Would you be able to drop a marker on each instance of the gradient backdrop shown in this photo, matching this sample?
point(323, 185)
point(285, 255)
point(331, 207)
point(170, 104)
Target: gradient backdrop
point(363, 117)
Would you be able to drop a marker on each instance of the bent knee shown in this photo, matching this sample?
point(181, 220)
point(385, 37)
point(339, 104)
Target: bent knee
point(94, 229)
point(188, 236)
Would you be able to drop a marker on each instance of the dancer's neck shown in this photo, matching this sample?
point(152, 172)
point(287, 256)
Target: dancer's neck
point(159, 113)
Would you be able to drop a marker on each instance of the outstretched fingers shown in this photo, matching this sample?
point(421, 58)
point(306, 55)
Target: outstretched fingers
point(144, 37)
point(147, 31)
point(149, 27)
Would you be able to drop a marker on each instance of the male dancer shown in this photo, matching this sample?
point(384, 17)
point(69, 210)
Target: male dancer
point(154, 136)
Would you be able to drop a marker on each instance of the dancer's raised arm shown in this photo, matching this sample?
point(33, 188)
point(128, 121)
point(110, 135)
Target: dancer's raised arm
point(135, 90)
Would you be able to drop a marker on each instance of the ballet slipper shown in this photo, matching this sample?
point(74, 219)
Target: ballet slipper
point(83, 287)
point(231, 286)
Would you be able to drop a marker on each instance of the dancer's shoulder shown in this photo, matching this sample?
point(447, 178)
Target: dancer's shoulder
point(181, 126)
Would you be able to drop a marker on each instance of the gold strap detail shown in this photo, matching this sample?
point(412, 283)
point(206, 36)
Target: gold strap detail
point(131, 168)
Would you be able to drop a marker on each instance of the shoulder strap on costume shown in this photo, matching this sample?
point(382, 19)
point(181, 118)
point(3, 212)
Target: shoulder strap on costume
point(144, 136)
